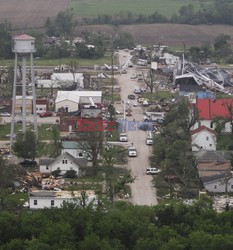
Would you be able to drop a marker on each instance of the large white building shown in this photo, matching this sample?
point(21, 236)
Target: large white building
point(40, 199)
point(203, 138)
point(70, 101)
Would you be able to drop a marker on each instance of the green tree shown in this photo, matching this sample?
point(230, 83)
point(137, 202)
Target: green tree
point(56, 142)
point(26, 146)
point(113, 185)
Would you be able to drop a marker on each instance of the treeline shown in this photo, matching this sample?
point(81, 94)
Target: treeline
point(169, 226)
point(220, 12)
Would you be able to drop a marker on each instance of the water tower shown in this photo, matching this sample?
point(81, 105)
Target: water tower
point(24, 46)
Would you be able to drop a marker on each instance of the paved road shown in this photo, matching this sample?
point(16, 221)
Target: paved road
point(45, 120)
point(143, 193)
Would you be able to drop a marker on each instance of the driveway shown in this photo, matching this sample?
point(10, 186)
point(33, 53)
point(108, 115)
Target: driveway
point(143, 192)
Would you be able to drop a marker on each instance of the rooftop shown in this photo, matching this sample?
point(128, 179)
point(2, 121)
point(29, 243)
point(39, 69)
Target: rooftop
point(213, 156)
point(209, 109)
point(60, 194)
point(220, 176)
point(24, 37)
point(76, 95)
point(202, 128)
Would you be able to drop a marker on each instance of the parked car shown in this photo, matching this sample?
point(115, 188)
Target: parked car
point(149, 141)
point(46, 114)
point(152, 171)
point(143, 90)
point(137, 91)
point(135, 104)
point(28, 163)
point(123, 137)
point(5, 114)
point(132, 152)
point(131, 97)
point(145, 103)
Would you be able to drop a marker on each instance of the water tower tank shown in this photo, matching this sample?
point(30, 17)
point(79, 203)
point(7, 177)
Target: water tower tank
point(24, 44)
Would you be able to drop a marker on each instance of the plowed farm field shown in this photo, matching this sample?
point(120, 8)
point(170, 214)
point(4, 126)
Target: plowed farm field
point(30, 13)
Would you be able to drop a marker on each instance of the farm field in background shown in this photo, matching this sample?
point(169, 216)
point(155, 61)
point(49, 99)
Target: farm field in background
point(146, 7)
point(30, 13)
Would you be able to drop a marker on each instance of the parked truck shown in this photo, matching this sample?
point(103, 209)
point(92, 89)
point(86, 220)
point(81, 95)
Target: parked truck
point(154, 116)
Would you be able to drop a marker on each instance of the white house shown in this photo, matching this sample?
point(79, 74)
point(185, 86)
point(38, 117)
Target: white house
point(219, 183)
point(64, 163)
point(70, 100)
point(73, 148)
point(203, 138)
point(40, 199)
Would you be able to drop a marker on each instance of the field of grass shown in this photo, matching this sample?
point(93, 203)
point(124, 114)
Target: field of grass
point(160, 95)
point(56, 62)
point(45, 131)
point(110, 7)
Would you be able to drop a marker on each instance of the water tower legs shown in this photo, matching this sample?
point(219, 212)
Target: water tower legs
point(24, 101)
point(34, 97)
point(13, 102)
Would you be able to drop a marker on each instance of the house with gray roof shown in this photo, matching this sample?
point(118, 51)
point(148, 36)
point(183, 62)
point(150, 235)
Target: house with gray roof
point(218, 183)
point(74, 148)
point(64, 163)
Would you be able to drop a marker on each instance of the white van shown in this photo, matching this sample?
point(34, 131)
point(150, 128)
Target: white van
point(132, 152)
point(152, 171)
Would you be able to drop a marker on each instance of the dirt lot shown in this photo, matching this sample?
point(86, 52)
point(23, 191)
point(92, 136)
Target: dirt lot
point(30, 13)
point(169, 34)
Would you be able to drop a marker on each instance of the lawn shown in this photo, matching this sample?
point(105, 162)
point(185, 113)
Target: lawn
point(108, 97)
point(160, 95)
point(146, 7)
point(59, 61)
point(45, 131)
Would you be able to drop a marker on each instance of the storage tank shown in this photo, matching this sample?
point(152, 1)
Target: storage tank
point(24, 44)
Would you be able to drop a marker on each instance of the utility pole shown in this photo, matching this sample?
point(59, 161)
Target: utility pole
point(112, 70)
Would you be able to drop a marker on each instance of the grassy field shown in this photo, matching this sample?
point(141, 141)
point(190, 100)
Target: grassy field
point(45, 131)
point(56, 62)
point(160, 95)
point(165, 7)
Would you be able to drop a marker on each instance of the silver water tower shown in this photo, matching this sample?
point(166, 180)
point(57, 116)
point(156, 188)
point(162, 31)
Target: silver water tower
point(24, 46)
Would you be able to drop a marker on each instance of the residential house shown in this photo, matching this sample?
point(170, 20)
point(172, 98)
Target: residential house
point(209, 109)
point(41, 106)
point(203, 138)
point(71, 101)
point(39, 199)
point(219, 183)
point(64, 163)
point(74, 148)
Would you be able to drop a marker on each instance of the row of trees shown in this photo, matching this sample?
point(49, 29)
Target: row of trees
point(170, 226)
point(221, 50)
point(172, 147)
point(220, 12)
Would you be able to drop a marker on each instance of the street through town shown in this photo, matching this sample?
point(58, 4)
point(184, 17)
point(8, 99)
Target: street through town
point(143, 192)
